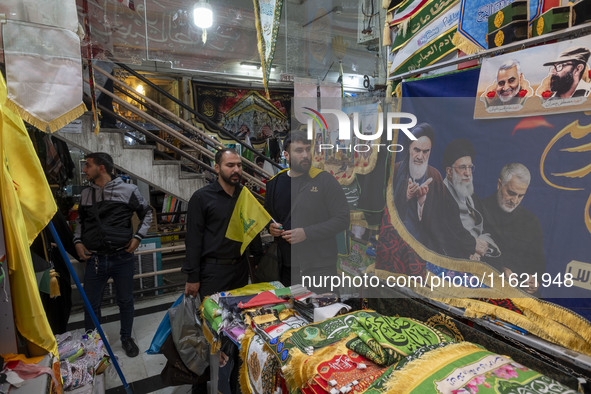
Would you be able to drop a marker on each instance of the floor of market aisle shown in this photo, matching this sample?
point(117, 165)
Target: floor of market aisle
point(141, 372)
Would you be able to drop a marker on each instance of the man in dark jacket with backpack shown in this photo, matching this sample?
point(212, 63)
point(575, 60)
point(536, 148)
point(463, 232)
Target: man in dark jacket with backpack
point(104, 238)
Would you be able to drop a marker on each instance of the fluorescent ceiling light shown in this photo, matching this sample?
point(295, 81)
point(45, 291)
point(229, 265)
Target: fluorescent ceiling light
point(253, 66)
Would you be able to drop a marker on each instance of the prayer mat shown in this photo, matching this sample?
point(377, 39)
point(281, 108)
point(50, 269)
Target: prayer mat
point(386, 340)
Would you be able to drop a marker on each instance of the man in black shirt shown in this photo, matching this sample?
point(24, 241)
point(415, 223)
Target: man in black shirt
point(213, 262)
point(310, 209)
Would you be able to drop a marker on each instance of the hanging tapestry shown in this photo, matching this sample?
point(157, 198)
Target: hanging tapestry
point(48, 96)
point(473, 24)
point(244, 112)
point(346, 158)
point(267, 16)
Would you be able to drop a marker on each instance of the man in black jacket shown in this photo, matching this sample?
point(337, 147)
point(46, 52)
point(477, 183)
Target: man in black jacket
point(104, 238)
point(310, 209)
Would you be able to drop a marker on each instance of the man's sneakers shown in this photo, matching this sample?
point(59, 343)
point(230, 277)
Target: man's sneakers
point(130, 347)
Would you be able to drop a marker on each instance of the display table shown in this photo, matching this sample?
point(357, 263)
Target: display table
point(361, 351)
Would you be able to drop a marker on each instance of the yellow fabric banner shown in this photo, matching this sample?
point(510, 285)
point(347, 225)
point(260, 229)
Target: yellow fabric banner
point(248, 219)
point(27, 206)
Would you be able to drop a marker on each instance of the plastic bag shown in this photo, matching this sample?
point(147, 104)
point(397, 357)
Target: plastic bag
point(162, 332)
point(187, 335)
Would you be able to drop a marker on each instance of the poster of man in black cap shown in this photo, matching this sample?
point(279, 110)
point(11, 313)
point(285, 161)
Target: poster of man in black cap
point(566, 76)
point(558, 81)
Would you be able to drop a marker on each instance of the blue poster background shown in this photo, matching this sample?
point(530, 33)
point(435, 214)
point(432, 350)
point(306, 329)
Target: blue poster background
point(446, 102)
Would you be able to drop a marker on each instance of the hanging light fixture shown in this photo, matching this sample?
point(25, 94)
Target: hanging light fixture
point(203, 17)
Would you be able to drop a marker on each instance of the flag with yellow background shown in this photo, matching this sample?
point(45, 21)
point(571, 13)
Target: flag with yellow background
point(27, 207)
point(248, 219)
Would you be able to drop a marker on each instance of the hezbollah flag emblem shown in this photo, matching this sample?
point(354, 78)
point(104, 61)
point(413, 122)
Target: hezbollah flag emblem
point(248, 219)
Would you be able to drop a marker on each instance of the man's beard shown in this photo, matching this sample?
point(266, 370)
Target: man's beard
point(561, 85)
point(502, 205)
point(231, 181)
point(463, 189)
point(513, 92)
point(300, 167)
point(417, 171)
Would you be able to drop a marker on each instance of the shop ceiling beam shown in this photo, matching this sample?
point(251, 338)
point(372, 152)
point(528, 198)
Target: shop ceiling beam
point(572, 32)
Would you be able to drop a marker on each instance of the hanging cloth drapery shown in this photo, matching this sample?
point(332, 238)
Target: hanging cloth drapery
point(267, 16)
point(43, 73)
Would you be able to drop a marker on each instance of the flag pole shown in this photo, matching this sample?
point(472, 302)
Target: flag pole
point(89, 307)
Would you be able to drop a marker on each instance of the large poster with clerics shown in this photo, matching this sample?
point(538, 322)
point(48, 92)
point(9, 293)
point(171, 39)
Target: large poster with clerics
point(546, 79)
point(472, 195)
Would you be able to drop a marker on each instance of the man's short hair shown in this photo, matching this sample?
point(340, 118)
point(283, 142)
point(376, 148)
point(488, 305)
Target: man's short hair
point(296, 136)
point(220, 153)
point(509, 64)
point(102, 159)
point(259, 159)
point(517, 170)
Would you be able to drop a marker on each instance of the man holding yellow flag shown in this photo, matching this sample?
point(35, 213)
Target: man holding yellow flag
point(222, 219)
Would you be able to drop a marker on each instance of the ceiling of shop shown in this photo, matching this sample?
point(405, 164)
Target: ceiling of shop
point(160, 34)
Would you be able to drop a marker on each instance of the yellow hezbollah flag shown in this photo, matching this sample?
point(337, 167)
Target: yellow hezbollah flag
point(248, 219)
point(27, 206)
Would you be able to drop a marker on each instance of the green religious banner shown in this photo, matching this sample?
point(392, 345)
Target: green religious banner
point(429, 45)
point(267, 16)
point(430, 11)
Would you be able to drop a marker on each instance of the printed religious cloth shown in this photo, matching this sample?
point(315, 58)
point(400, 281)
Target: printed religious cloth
point(267, 19)
point(294, 346)
point(43, 74)
point(473, 24)
point(338, 368)
point(345, 158)
point(429, 45)
point(386, 340)
point(464, 368)
point(420, 20)
point(260, 371)
point(216, 317)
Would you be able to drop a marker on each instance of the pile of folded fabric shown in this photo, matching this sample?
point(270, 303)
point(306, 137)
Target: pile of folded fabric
point(364, 351)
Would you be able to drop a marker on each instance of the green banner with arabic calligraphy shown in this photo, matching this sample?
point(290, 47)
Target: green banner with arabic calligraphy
point(267, 15)
point(418, 21)
point(429, 54)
